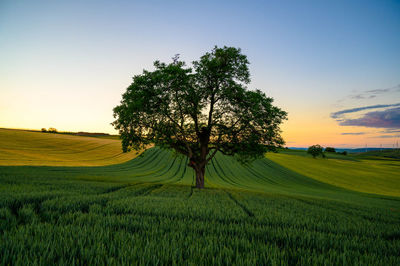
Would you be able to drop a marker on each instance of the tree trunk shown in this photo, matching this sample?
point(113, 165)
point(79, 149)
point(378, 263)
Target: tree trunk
point(200, 177)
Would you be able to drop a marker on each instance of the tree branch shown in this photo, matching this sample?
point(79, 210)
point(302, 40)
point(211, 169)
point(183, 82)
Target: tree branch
point(189, 150)
point(180, 108)
point(212, 155)
point(210, 113)
point(196, 123)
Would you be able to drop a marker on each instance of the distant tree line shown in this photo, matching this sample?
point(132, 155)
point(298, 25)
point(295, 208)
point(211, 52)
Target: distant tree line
point(330, 149)
point(80, 133)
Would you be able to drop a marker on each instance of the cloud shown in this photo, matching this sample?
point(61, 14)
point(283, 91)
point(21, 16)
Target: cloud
point(353, 133)
point(389, 118)
point(387, 136)
point(390, 131)
point(339, 114)
point(361, 96)
point(374, 93)
point(380, 91)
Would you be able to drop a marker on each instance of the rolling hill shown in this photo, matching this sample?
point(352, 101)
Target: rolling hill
point(285, 171)
point(377, 175)
point(21, 147)
point(286, 209)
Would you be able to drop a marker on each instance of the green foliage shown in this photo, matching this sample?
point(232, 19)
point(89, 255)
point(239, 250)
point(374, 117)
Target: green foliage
point(316, 150)
point(44, 130)
point(52, 130)
point(330, 149)
point(200, 110)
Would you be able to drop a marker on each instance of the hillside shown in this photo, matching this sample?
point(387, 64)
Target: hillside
point(19, 147)
point(388, 153)
point(378, 175)
point(286, 209)
point(288, 170)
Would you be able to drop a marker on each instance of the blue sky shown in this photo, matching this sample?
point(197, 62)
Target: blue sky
point(66, 64)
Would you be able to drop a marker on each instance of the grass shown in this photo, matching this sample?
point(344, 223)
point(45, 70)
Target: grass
point(19, 147)
point(145, 211)
point(364, 174)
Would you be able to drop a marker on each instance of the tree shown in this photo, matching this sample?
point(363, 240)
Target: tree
point(316, 150)
point(200, 110)
point(330, 149)
point(44, 130)
point(52, 130)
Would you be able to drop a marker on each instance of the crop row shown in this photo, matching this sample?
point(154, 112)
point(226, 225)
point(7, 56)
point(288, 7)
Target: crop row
point(170, 224)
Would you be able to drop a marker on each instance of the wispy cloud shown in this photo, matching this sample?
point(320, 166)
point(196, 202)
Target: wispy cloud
point(390, 131)
point(361, 96)
point(389, 118)
point(379, 91)
point(339, 114)
point(386, 136)
point(374, 93)
point(353, 133)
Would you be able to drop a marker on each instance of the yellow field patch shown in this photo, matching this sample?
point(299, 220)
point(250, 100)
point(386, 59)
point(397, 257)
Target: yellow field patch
point(19, 147)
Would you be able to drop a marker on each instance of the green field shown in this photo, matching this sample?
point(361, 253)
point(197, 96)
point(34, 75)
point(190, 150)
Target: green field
point(285, 209)
point(371, 174)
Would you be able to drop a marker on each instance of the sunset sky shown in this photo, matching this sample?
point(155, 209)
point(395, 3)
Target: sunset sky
point(334, 66)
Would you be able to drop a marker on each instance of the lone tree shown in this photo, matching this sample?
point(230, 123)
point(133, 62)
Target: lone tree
point(316, 150)
point(200, 110)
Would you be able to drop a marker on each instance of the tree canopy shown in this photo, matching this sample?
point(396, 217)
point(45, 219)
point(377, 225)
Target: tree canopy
point(200, 110)
point(316, 150)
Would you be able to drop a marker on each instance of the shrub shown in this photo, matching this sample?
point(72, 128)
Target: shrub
point(316, 150)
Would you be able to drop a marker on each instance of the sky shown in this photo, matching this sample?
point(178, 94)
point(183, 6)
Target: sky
point(334, 66)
